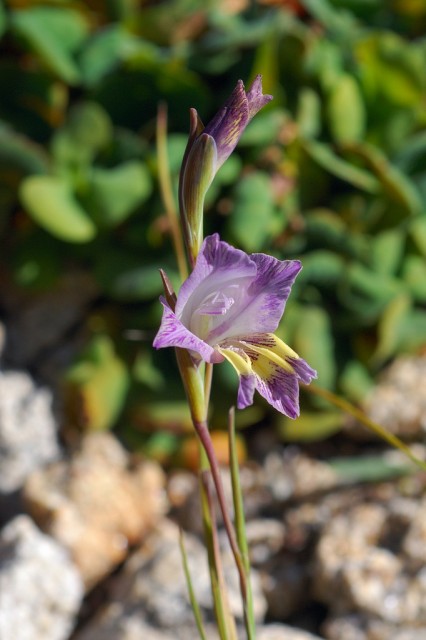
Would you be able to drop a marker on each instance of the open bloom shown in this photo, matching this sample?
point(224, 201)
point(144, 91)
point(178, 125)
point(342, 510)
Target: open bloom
point(228, 308)
point(208, 148)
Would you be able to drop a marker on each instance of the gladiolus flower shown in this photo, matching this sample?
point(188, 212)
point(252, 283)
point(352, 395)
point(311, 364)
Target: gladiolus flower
point(229, 308)
point(208, 148)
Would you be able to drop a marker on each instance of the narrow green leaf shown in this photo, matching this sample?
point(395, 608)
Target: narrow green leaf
point(192, 598)
point(368, 468)
point(376, 428)
point(328, 160)
point(240, 526)
point(397, 186)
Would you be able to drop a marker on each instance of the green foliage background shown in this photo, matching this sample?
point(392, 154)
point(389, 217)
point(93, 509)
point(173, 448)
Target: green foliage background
point(333, 172)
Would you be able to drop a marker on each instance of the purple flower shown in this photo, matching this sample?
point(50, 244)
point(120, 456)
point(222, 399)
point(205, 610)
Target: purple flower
point(208, 148)
point(228, 309)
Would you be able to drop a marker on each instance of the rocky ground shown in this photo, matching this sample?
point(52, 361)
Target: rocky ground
point(89, 533)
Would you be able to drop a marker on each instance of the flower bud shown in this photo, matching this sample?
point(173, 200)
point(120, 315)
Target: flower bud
point(207, 149)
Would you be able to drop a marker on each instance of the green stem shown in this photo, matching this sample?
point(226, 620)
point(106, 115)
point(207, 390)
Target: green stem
point(204, 435)
point(226, 624)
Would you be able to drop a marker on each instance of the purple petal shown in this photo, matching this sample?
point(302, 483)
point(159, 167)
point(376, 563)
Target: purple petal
point(256, 100)
point(266, 296)
point(229, 123)
point(172, 333)
point(281, 390)
point(246, 391)
point(218, 266)
point(304, 372)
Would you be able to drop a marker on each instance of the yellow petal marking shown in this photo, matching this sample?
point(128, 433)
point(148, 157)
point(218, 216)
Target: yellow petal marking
point(277, 353)
point(241, 363)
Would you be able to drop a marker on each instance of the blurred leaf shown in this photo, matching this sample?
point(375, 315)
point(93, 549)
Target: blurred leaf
point(418, 233)
point(87, 131)
point(413, 331)
point(390, 69)
point(145, 372)
point(113, 194)
point(139, 283)
point(20, 154)
point(313, 341)
point(389, 327)
point(396, 185)
point(340, 23)
point(414, 274)
point(355, 381)
point(388, 248)
point(346, 110)
point(98, 385)
point(368, 468)
point(252, 216)
point(328, 160)
point(54, 34)
point(321, 267)
point(171, 416)
point(309, 113)
point(106, 50)
point(325, 61)
point(264, 128)
point(375, 289)
point(51, 203)
point(310, 426)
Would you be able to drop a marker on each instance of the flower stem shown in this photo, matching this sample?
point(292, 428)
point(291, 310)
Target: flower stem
point(204, 435)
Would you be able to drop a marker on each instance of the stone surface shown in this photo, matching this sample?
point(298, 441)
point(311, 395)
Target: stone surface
point(398, 401)
point(97, 503)
point(27, 429)
point(40, 588)
point(363, 565)
point(284, 632)
point(152, 591)
point(359, 627)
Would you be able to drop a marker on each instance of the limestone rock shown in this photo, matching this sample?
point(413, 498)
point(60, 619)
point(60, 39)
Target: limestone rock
point(398, 401)
point(152, 591)
point(96, 504)
point(27, 429)
point(40, 589)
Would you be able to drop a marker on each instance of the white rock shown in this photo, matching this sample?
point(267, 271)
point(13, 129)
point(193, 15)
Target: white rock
point(27, 429)
point(40, 589)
